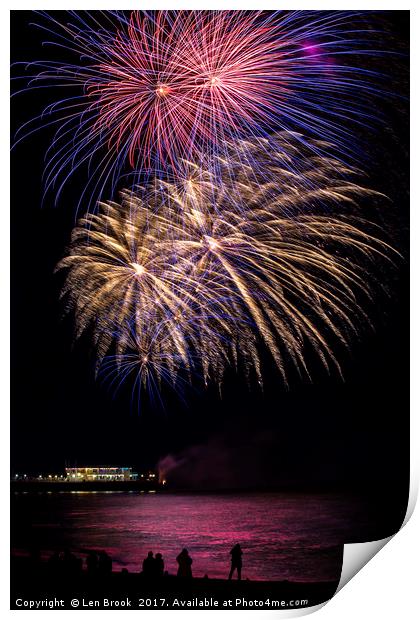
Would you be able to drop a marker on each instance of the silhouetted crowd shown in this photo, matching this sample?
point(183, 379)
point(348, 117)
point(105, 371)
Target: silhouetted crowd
point(154, 566)
point(66, 562)
point(99, 563)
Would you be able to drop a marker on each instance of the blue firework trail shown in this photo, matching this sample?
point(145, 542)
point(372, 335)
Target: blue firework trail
point(146, 91)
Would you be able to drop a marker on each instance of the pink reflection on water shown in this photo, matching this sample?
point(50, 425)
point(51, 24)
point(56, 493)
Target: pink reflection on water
point(282, 536)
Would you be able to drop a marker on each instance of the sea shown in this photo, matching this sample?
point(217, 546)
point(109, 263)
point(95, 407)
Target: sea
point(283, 536)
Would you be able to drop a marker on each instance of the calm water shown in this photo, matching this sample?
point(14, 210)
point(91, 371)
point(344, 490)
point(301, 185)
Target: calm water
point(283, 536)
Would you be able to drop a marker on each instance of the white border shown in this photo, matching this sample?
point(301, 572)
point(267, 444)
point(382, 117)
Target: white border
point(388, 587)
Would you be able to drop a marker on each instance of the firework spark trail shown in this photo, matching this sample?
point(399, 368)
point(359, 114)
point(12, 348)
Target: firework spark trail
point(161, 87)
point(181, 284)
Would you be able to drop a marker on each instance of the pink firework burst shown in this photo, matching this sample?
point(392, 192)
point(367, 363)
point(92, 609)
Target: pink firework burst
point(179, 83)
point(151, 89)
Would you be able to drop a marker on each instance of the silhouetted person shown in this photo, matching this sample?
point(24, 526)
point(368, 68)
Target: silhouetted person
point(236, 560)
point(108, 563)
point(54, 563)
point(104, 563)
point(92, 563)
point(159, 565)
point(71, 563)
point(184, 564)
point(35, 557)
point(149, 565)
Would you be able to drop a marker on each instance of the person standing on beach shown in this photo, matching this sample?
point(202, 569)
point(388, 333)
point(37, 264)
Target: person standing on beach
point(159, 565)
point(236, 560)
point(149, 565)
point(184, 564)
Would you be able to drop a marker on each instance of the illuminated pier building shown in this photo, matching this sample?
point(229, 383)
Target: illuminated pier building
point(97, 474)
point(92, 477)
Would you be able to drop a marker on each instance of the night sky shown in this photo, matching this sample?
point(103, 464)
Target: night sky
point(331, 434)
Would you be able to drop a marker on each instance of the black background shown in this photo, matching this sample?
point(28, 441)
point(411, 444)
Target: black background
point(331, 434)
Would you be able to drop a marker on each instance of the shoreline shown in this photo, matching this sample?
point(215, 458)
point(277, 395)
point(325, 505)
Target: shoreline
point(44, 486)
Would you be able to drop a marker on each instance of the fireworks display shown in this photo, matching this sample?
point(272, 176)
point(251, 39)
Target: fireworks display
point(240, 228)
point(186, 278)
point(148, 91)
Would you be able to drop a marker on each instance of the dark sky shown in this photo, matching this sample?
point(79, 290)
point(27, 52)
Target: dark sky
point(328, 433)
